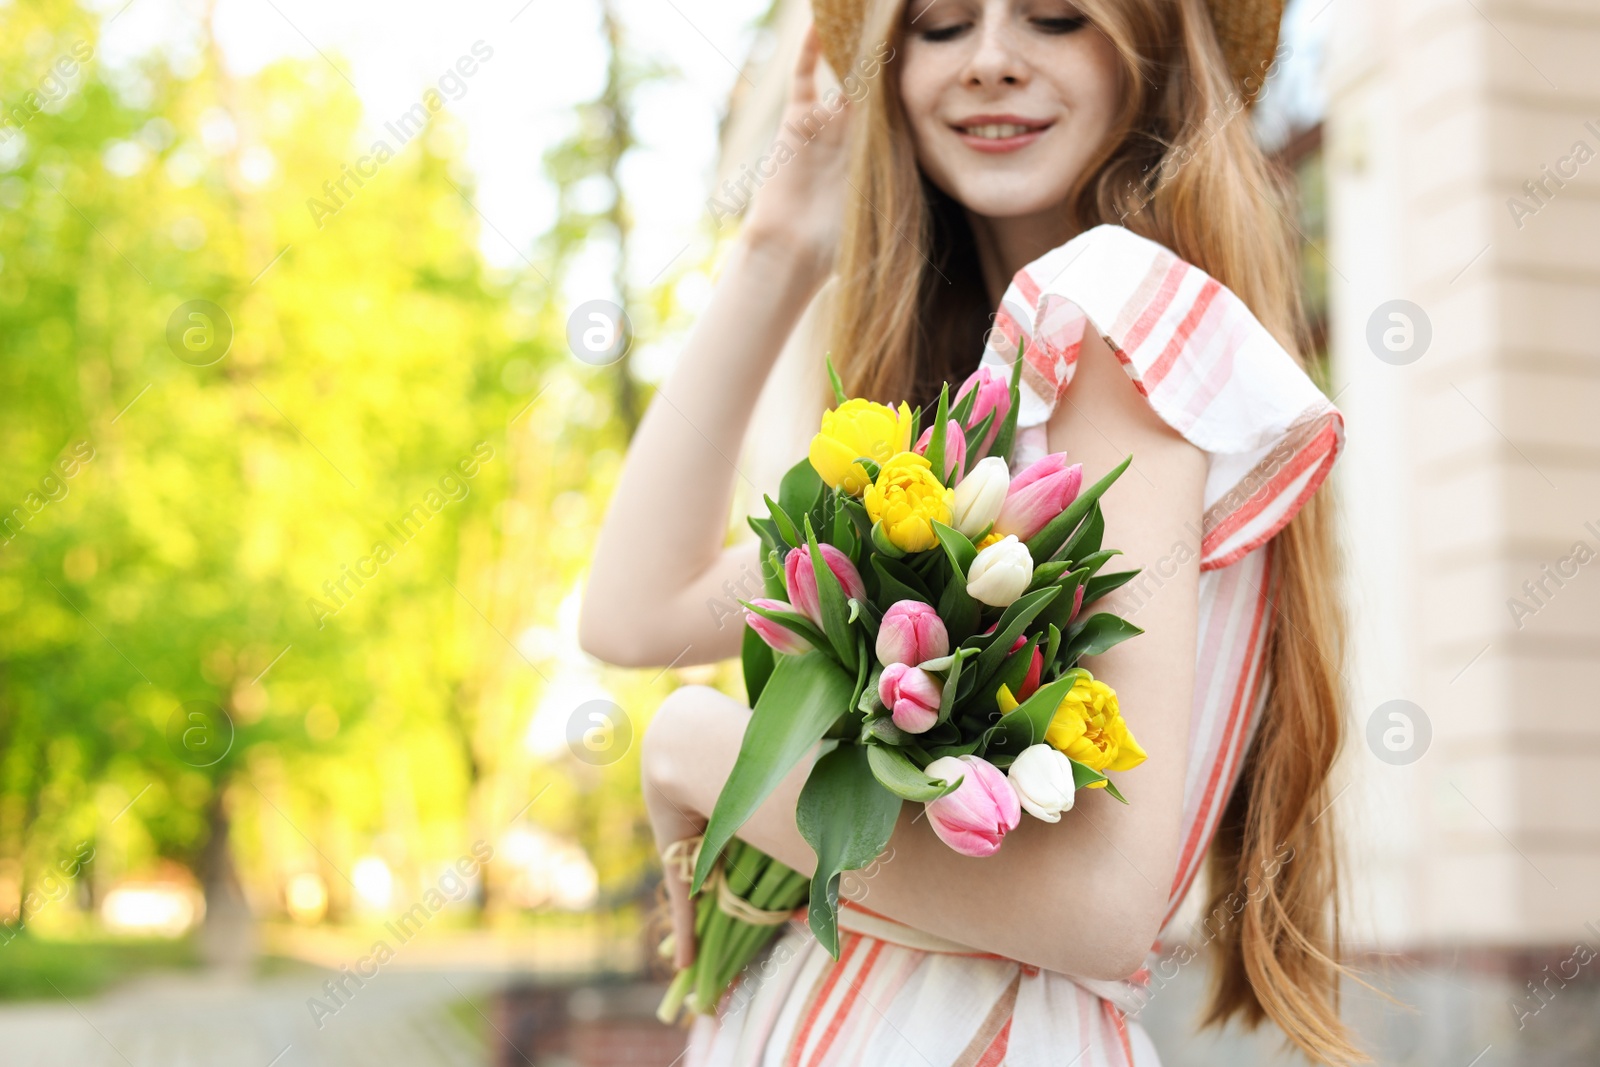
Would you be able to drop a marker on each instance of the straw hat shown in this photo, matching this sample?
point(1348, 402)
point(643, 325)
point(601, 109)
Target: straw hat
point(1247, 30)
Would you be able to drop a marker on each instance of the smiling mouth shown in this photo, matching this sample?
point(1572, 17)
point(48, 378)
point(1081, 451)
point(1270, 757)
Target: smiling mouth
point(1000, 131)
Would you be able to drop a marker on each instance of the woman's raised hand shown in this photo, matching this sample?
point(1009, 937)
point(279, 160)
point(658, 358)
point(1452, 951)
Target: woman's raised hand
point(800, 201)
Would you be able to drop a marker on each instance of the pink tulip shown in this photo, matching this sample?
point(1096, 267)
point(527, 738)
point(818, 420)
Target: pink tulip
point(955, 450)
point(1039, 494)
point(1077, 603)
point(983, 809)
point(912, 696)
point(802, 580)
point(911, 633)
point(781, 638)
point(994, 394)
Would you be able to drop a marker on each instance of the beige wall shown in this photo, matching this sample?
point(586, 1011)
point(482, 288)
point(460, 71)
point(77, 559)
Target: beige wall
point(1473, 467)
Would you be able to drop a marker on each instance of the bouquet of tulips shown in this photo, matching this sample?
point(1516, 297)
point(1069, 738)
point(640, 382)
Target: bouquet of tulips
point(924, 618)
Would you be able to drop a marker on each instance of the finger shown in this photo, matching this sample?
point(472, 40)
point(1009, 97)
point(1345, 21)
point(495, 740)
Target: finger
point(805, 65)
point(682, 909)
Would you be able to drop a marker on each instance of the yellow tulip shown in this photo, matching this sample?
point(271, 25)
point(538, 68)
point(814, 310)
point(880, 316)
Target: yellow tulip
point(855, 429)
point(1088, 727)
point(908, 499)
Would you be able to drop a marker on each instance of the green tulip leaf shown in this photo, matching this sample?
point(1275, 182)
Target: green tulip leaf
point(936, 440)
point(961, 613)
point(1084, 776)
point(772, 577)
point(800, 490)
point(1026, 724)
point(758, 660)
point(802, 698)
point(896, 773)
point(1010, 627)
point(1086, 539)
point(975, 438)
point(1046, 574)
point(1059, 613)
point(847, 818)
point(1101, 584)
point(897, 582)
point(1052, 646)
point(880, 728)
point(844, 535)
point(863, 665)
point(1095, 560)
point(784, 523)
point(1098, 633)
point(961, 410)
point(839, 395)
point(952, 682)
point(957, 549)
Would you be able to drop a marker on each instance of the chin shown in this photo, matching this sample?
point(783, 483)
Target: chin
point(1007, 196)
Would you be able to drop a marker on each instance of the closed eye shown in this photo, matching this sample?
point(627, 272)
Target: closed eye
point(936, 34)
point(1062, 25)
point(1052, 26)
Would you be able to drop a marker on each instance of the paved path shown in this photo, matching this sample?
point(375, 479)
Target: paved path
point(396, 1020)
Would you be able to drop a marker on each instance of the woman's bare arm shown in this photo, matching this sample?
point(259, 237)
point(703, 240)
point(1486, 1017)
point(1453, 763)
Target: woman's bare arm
point(1084, 896)
point(661, 556)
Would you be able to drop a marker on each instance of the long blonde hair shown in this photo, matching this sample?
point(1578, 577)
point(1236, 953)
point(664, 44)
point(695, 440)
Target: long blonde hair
point(1182, 168)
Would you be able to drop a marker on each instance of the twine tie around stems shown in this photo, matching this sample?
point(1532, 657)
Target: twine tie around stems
point(684, 854)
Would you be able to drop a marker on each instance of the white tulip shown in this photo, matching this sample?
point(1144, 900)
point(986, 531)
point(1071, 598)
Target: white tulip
point(1001, 573)
point(980, 496)
point(1042, 778)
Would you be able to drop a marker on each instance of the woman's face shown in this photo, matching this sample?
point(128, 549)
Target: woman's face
point(1007, 100)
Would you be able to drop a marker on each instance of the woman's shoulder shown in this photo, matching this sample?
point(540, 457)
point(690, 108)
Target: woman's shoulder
point(1196, 354)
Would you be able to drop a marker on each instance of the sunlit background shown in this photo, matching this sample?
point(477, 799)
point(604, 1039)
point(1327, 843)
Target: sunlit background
point(300, 479)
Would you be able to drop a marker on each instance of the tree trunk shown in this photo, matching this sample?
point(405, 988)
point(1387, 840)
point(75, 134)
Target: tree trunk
point(228, 933)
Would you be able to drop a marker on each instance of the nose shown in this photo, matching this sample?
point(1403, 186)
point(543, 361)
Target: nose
point(995, 60)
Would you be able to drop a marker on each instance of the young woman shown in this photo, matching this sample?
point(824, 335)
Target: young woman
point(1079, 176)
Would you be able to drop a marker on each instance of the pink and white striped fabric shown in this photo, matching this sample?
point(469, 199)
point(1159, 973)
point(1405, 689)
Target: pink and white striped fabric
point(1211, 371)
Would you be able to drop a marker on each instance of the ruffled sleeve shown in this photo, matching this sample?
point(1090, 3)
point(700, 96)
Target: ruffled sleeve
point(1194, 351)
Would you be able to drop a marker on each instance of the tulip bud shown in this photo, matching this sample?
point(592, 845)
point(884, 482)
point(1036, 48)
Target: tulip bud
point(994, 394)
point(1030, 681)
point(1038, 494)
point(911, 632)
point(1077, 604)
point(980, 812)
point(781, 638)
point(801, 579)
point(1036, 666)
point(980, 496)
point(912, 696)
point(1001, 573)
point(955, 450)
point(1042, 780)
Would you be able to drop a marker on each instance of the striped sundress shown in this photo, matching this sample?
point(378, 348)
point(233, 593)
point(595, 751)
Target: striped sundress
point(898, 995)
